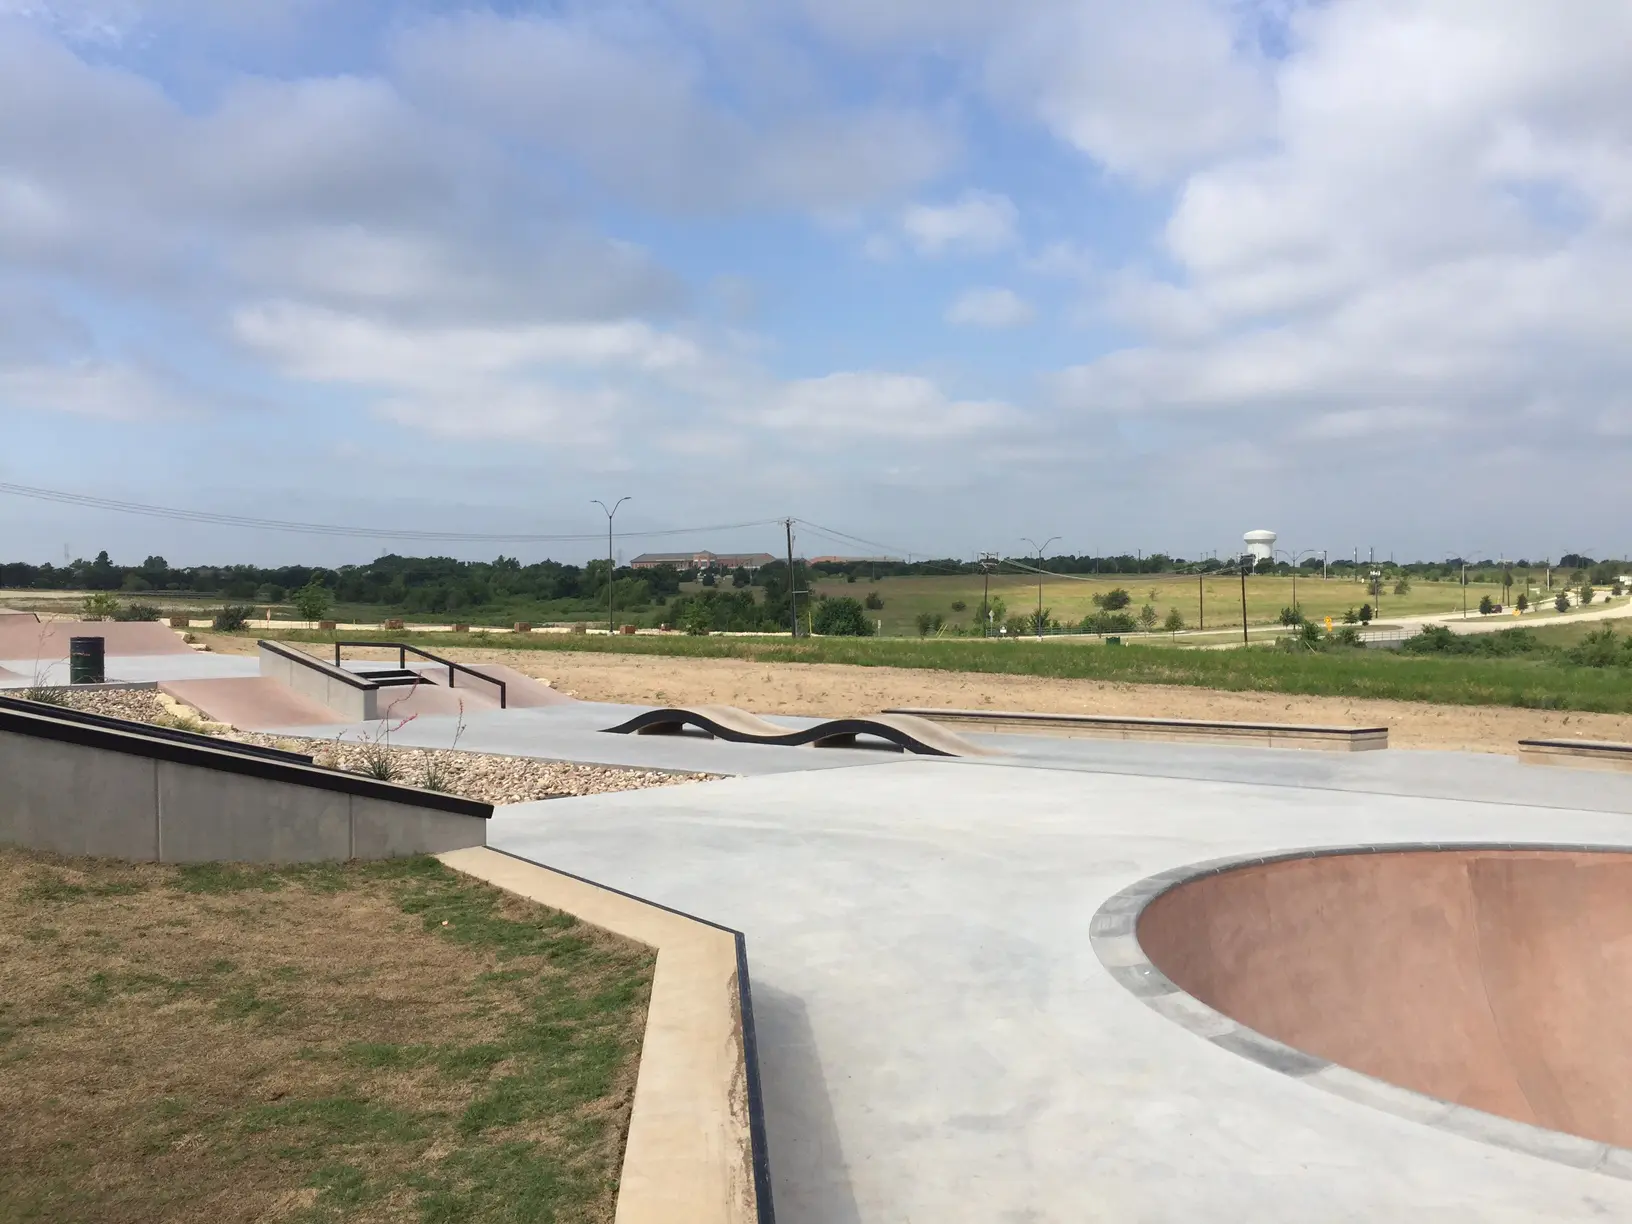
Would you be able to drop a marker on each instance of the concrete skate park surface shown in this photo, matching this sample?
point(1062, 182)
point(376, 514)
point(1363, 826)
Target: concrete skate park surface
point(938, 1039)
point(23, 638)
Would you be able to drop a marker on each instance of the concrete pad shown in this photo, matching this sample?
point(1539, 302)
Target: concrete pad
point(194, 665)
point(250, 703)
point(939, 1041)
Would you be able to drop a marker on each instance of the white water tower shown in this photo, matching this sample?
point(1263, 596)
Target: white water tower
point(1260, 545)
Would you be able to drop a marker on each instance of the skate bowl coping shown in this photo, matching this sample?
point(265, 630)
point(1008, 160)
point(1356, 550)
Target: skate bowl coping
point(1173, 730)
point(72, 786)
point(1478, 988)
point(85, 718)
point(738, 726)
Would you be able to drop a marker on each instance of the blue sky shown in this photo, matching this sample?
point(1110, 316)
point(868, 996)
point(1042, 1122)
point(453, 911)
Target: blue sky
point(938, 273)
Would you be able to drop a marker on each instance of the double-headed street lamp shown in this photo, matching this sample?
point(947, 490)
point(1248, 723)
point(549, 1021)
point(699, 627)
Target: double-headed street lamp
point(1294, 558)
point(609, 513)
point(1039, 548)
point(1465, 585)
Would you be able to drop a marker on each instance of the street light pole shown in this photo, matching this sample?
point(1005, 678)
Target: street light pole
point(609, 513)
point(986, 560)
point(1039, 549)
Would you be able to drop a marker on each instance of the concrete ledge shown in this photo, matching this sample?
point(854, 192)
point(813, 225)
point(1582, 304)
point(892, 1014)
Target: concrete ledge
point(1583, 754)
point(79, 788)
point(696, 1149)
point(1188, 730)
point(344, 692)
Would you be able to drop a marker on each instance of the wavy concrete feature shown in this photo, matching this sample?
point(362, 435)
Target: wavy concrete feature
point(739, 726)
point(1497, 979)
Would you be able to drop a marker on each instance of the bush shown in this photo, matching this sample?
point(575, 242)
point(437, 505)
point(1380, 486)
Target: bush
point(842, 617)
point(1365, 614)
point(1487, 605)
point(1403, 587)
point(694, 619)
point(1506, 643)
point(1562, 603)
point(100, 606)
point(1348, 635)
point(1351, 617)
point(874, 601)
point(1107, 622)
point(928, 623)
point(958, 605)
point(1291, 616)
point(1618, 589)
point(1174, 622)
point(1523, 602)
point(1113, 600)
point(1601, 648)
point(138, 612)
point(1586, 593)
point(708, 578)
point(232, 618)
point(740, 577)
point(1309, 634)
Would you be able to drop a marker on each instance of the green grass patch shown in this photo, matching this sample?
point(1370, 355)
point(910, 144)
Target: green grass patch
point(385, 1041)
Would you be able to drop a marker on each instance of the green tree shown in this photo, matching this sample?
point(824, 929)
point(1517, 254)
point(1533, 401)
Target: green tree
point(739, 577)
point(1562, 603)
point(694, 618)
point(1365, 614)
point(841, 617)
point(1113, 600)
point(1403, 586)
point(875, 601)
point(1148, 618)
point(1523, 603)
point(1487, 605)
point(1174, 622)
point(313, 601)
point(1586, 593)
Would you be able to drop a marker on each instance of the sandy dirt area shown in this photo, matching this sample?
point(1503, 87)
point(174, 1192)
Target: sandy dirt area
point(834, 691)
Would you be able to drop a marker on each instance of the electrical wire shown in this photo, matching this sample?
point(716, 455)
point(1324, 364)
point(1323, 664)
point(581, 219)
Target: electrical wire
point(213, 518)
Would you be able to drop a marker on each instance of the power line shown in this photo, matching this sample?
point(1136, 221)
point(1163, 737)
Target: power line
point(213, 518)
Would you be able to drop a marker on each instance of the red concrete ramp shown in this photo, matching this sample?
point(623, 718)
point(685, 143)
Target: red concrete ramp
point(251, 703)
point(16, 617)
point(1497, 979)
point(428, 699)
point(27, 639)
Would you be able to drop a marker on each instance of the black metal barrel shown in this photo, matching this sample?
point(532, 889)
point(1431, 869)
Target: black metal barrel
point(85, 659)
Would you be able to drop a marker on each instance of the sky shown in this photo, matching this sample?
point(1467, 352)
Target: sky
point(940, 275)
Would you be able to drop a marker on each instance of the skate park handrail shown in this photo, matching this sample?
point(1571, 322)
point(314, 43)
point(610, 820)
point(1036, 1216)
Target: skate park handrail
point(403, 650)
point(316, 664)
point(85, 718)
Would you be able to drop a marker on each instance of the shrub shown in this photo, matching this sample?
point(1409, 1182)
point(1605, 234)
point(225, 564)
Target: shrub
point(232, 618)
point(1113, 600)
point(708, 579)
point(1148, 618)
point(1291, 616)
point(138, 612)
point(1487, 605)
point(695, 618)
point(1365, 614)
point(1174, 622)
point(1403, 586)
point(1348, 635)
point(1107, 622)
point(740, 577)
point(928, 623)
point(1351, 617)
point(841, 617)
point(1523, 602)
point(1562, 603)
point(1601, 648)
point(1617, 589)
point(1309, 634)
point(958, 605)
point(874, 601)
point(1586, 593)
point(100, 606)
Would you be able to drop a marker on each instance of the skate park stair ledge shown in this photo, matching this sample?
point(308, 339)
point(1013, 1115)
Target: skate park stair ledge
point(1587, 754)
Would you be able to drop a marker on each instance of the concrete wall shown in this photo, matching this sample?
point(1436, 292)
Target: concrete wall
point(346, 694)
point(77, 799)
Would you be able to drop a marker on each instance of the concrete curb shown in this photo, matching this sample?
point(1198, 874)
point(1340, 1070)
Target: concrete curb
point(696, 1150)
point(1114, 936)
point(1167, 730)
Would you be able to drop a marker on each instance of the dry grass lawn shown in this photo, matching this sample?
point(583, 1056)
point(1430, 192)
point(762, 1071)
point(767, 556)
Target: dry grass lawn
point(369, 1042)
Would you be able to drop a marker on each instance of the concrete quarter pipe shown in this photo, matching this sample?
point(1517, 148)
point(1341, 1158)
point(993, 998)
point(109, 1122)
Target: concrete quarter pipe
point(1498, 979)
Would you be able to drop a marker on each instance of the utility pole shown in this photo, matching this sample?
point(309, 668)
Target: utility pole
point(1039, 549)
point(1243, 568)
point(1201, 599)
point(609, 513)
point(986, 560)
point(793, 594)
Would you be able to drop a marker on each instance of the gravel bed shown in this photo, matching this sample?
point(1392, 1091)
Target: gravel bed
point(475, 775)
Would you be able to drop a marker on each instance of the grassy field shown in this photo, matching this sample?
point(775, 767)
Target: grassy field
point(386, 1042)
point(1533, 683)
point(1217, 602)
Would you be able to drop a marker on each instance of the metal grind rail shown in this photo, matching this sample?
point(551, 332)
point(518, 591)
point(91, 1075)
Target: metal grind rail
point(403, 650)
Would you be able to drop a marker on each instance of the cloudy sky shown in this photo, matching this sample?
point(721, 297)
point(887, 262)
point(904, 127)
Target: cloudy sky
point(936, 273)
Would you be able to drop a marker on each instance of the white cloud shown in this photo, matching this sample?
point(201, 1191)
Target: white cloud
point(872, 404)
point(976, 223)
point(996, 308)
point(627, 100)
point(105, 390)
